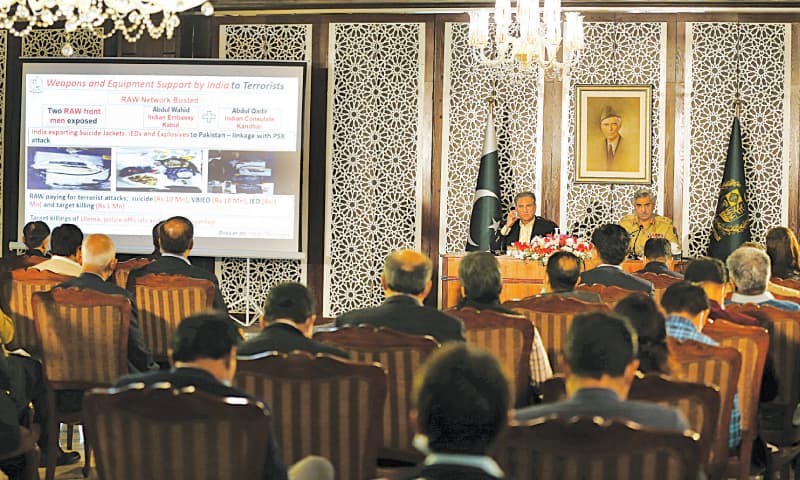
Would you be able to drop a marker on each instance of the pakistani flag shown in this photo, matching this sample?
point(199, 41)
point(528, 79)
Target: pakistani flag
point(486, 215)
point(731, 225)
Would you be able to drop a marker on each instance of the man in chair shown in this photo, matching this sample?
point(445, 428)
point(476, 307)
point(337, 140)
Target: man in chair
point(288, 323)
point(657, 252)
point(561, 277)
point(406, 281)
point(611, 242)
point(98, 265)
point(522, 223)
point(65, 245)
point(176, 239)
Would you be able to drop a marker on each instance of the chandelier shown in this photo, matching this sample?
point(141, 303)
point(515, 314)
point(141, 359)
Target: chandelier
point(526, 37)
point(102, 17)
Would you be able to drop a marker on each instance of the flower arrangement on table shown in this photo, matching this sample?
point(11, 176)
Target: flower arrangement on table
point(541, 248)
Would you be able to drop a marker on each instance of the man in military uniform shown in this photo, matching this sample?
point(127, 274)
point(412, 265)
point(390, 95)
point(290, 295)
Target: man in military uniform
point(644, 224)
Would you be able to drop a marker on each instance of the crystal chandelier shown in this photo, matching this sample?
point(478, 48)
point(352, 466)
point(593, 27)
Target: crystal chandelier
point(539, 37)
point(103, 17)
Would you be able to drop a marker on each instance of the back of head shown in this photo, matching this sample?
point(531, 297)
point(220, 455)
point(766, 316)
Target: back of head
point(600, 343)
point(462, 400)
point(657, 248)
point(98, 251)
point(66, 240)
point(563, 270)
point(289, 300)
point(156, 232)
point(782, 249)
point(750, 269)
point(204, 335)
point(649, 323)
point(35, 233)
point(479, 274)
point(407, 271)
point(175, 235)
point(611, 242)
point(706, 269)
point(684, 297)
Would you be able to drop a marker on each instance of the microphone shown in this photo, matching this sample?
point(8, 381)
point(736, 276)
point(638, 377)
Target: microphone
point(632, 253)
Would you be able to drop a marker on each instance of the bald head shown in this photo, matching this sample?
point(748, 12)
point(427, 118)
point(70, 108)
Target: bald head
point(98, 254)
point(407, 272)
point(176, 235)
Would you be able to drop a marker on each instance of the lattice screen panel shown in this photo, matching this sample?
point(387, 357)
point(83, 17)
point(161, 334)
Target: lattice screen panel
point(517, 117)
point(374, 149)
point(245, 285)
point(49, 43)
point(615, 54)
point(3, 96)
point(711, 85)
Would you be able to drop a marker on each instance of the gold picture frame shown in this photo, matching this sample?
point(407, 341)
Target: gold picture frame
point(613, 134)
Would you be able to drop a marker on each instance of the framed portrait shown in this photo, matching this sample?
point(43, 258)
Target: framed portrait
point(613, 124)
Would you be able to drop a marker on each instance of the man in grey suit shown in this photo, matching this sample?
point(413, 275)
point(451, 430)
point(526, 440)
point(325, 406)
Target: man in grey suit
point(601, 363)
point(611, 242)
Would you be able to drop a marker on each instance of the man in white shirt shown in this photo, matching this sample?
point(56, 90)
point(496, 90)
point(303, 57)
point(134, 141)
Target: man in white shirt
point(65, 247)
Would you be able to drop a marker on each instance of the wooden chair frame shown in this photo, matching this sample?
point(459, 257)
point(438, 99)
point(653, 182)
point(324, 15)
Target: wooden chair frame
point(611, 294)
point(19, 303)
point(660, 282)
point(124, 269)
point(163, 408)
point(73, 297)
point(488, 320)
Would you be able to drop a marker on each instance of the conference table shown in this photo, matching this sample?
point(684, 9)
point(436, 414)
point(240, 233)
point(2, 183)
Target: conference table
point(521, 278)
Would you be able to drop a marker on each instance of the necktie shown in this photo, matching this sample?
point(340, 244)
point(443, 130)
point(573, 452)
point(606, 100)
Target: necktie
point(610, 154)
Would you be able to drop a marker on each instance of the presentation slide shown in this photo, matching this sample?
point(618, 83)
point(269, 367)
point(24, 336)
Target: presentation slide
point(116, 147)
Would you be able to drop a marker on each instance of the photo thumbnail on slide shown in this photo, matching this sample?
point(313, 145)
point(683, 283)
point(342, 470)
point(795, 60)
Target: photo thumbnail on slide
point(69, 168)
point(160, 170)
point(233, 171)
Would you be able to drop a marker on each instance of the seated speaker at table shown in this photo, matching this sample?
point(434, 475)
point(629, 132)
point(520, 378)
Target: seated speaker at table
point(522, 223)
point(644, 223)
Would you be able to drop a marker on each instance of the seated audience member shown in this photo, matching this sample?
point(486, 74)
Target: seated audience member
point(203, 355)
point(750, 271)
point(561, 276)
point(288, 323)
point(176, 240)
point(649, 324)
point(644, 223)
point(657, 252)
point(611, 243)
point(36, 236)
point(687, 311)
point(65, 246)
point(772, 287)
point(783, 251)
point(481, 284)
point(11, 435)
point(600, 354)
point(406, 281)
point(522, 223)
point(156, 253)
point(98, 265)
point(461, 401)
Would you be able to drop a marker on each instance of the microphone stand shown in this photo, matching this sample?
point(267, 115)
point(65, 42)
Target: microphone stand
point(632, 254)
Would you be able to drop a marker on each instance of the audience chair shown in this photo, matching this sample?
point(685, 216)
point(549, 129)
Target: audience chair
point(124, 269)
point(699, 403)
point(163, 433)
point(15, 262)
point(508, 337)
point(323, 406)
point(717, 366)
point(610, 294)
point(401, 354)
point(776, 416)
point(660, 282)
point(552, 315)
point(83, 336)
point(785, 282)
point(592, 448)
point(162, 301)
point(18, 291)
point(752, 343)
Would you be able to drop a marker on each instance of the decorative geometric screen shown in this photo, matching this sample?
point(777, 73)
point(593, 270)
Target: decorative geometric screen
point(3, 96)
point(376, 88)
point(615, 54)
point(517, 114)
point(245, 283)
point(718, 54)
point(49, 43)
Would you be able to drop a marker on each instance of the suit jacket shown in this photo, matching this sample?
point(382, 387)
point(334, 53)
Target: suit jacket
point(493, 305)
point(202, 380)
point(176, 266)
point(284, 338)
point(406, 314)
point(140, 359)
point(541, 226)
point(607, 404)
point(446, 472)
point(660, 268)
point(613, 276)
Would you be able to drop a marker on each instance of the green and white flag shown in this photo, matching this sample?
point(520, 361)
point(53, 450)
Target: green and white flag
point(486, 213)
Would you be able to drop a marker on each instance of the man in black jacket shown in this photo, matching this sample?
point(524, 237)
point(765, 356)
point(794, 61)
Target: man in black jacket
point(522, 223)
point(656, 254)
point(288, 324)
point(611, 243)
